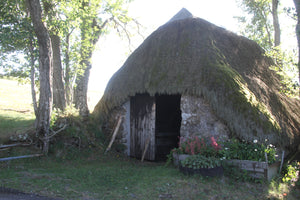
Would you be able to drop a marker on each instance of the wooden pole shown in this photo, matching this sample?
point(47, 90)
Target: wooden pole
point(146, 147)
point(282, 160)
point(114, 134)
point(19, 157)
point(266, 157)
point(13, 145)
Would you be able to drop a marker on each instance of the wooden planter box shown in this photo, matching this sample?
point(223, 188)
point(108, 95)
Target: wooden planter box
point(211, 172)
point(256, 169)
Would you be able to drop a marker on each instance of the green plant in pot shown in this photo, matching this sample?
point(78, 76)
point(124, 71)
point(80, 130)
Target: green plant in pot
point(199, 164)
point(205, 146)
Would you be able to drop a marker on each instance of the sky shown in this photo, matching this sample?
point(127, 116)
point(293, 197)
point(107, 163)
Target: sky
point(112, 51)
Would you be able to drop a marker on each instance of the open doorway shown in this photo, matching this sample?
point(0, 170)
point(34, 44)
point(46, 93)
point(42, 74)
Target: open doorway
point(167, 125)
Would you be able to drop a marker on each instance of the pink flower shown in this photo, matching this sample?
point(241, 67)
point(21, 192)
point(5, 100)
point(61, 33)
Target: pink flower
point(214, 143)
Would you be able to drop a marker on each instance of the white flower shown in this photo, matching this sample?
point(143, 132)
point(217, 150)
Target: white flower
point(255, 141)
point(255, 149)
point(226, 148)
point(266, 140)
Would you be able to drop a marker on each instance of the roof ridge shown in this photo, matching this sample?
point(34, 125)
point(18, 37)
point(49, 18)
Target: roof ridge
point(182, 14)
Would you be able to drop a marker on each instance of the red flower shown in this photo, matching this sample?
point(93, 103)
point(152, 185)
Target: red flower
point(214, 143)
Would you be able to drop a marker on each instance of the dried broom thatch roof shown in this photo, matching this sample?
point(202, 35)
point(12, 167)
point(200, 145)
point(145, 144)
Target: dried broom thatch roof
point(192, 56)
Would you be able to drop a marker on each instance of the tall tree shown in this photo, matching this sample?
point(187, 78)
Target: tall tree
point(52, 12)
point(276, 25)
point(262, 25)
point(92, 26)
point(45, 70)
point(260, 28)
point(297, 5)
point(75, 28)
point(59, 95)
point(15, 23)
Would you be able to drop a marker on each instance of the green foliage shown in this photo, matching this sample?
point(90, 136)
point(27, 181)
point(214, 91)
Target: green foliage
point(200, 161)
point(17, 39)
point(257, 25)
point(79, 24)
point(291, 173)
point(231, 149)
point(234, 149)
point(57, 115)
point(286, 67)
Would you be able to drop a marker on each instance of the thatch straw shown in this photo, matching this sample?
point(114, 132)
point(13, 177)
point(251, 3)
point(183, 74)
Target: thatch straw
point(192, 56)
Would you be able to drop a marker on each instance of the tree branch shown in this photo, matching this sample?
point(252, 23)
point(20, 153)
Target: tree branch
point(54, 133)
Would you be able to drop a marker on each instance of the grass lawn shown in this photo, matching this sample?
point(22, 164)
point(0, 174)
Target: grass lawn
point(16, 112)
point(92, 175)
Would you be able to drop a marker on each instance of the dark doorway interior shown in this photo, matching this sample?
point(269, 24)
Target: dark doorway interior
point(167, 125)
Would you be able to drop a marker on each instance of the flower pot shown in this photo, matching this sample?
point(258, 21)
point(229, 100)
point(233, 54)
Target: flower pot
point(211, 172)
point(179, 157)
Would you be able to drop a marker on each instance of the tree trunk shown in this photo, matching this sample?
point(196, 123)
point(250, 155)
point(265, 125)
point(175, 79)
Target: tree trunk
point(81, 90)
point(45, 69)
point(297, 5)
point(32, 78)
point(68, 84)
point(90, 33)
point(59, 96)
point(276, 22)
point(82, 79)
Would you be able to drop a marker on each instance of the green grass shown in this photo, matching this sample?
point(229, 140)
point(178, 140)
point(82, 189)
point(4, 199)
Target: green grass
point(93, 175)
point(16, 112)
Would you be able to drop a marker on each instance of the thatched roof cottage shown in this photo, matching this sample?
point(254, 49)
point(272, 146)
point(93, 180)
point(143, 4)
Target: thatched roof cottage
point(190, 77)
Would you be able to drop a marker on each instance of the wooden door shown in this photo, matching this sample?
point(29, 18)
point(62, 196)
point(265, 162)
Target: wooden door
point(142, 126)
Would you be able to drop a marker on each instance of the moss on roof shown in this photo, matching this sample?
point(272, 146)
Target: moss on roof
point(192, 56)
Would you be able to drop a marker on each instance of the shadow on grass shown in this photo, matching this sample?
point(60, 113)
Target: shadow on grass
point(12, 123)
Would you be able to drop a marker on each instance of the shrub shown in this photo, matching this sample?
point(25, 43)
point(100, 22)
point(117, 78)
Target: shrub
point(231, 149)
point(200, 161)
point(208, 147)
point(235, 149)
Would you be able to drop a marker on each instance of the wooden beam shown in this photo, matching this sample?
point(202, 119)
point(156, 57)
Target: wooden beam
point(146, 148)
point(14, 145)
point(19, 157)
point(114, 134)
point(282, 160)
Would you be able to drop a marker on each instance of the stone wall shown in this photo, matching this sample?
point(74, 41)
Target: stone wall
point(199, 119)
